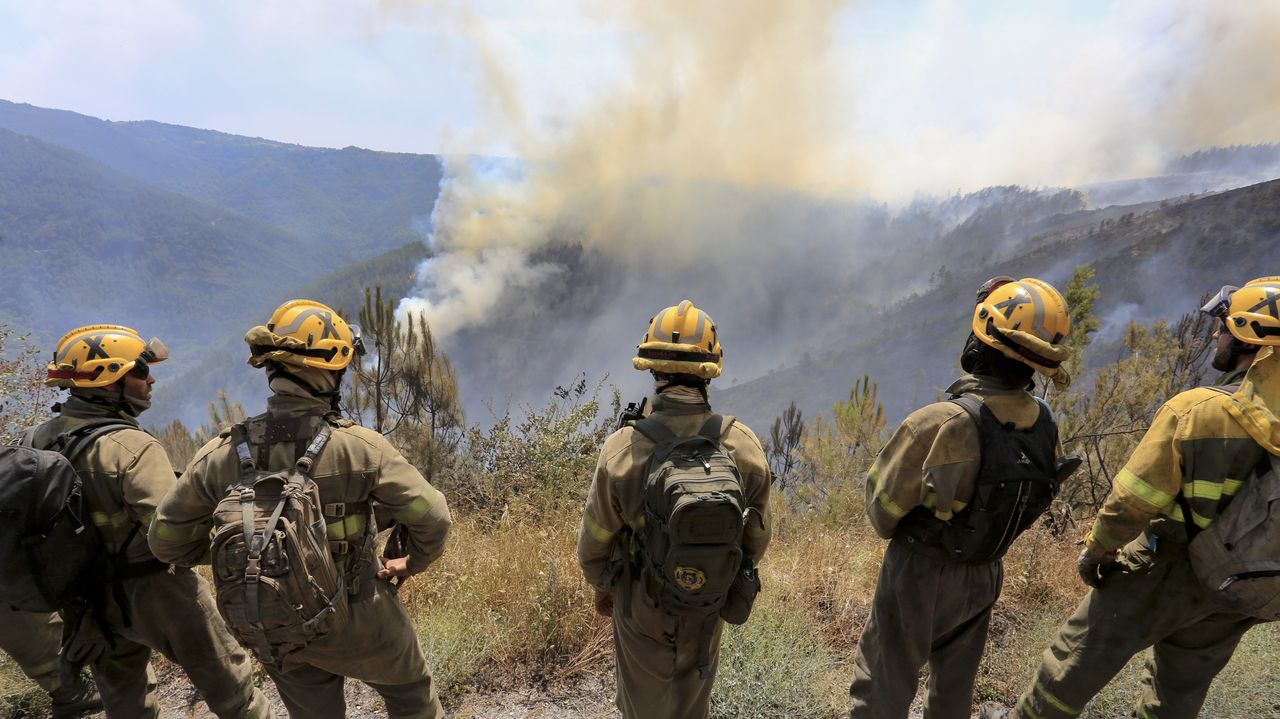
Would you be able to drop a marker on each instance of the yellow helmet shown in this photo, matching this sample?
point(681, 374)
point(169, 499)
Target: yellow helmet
point(1027, 321)
point(100, 355)
point(681, 340)
point(1254, 314)
point(304, 333)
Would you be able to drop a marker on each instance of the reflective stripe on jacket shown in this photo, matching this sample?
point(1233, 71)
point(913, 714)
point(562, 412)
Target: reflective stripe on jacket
point(1203, 444)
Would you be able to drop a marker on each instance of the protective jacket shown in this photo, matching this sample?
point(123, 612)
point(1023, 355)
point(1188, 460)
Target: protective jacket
point(1203, 444)
point(928, 608)
point(615, 500)
point(933, 458)
point(126, 474)
point(357, 466)
point(657, 653)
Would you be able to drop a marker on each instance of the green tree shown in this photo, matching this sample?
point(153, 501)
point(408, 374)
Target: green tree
point(24, 399)
point(783, 444)
point(406, 387)
point(542, 460)
point(1080, 295)
point(835, 454)
point(1103, 424)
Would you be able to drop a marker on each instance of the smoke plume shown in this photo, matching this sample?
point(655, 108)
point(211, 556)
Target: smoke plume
point(735, 162)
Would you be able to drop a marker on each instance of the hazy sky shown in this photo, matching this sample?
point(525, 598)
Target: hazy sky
point(917, 79)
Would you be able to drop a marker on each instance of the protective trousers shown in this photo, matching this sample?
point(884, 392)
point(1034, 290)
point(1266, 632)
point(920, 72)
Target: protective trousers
point(1154, 601)
point(925, 610)
point(173, 613)
point(33, 641)
point(657, 660)
point(377, 646)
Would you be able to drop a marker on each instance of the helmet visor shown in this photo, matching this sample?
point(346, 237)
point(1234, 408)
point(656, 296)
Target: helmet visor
point(1218, 305)
point(155, 351)
point(357, 340)
point(990, 286)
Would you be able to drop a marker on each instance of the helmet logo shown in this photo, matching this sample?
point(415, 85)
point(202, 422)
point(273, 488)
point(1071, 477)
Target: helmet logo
point(1271, 302)
point(325, 317)
point(328, 330)
point(95, 347)
point(1008, 306)
point(690, 579)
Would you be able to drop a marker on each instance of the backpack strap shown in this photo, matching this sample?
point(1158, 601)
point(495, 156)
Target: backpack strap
point(655, 431)
point(715, 427)
point(972, 406)
point(318, 443)
point(244, 453)
point(72, 444)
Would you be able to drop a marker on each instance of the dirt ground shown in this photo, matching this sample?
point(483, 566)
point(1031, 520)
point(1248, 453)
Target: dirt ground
point(589, 697)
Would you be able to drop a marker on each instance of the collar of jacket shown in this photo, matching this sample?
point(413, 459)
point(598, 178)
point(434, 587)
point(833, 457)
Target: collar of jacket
point(1253, 404)
point(81, 408)
point(293, 405)
point(984, 384)
point(1235, 376)
point(679, 400)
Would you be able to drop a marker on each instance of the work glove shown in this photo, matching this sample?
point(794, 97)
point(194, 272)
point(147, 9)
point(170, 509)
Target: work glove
point(84, 644)
point(604, 603)
point(1095, 567)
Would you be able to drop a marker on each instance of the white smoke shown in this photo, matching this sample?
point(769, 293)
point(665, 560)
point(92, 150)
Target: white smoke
point(733, 162)
point(486, 219)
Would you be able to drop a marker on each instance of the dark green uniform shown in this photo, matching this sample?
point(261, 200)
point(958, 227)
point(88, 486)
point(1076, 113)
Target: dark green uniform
point(1204, 445)
point(32, 639)
point(125, 473)
point(928, 609)
point(377, 645)
point(657, 653)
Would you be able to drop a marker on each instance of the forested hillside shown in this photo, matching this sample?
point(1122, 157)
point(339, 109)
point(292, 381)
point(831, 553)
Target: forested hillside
point(1152, 263)
point(219, 360)
point(79, 238)
point(351, 204)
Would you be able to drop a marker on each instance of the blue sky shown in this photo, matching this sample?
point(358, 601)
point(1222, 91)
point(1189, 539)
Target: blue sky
point(933, 82)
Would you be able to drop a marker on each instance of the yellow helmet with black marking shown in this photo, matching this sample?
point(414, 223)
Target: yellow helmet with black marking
point(1027, 321)
point(1254, 313)
point(681, 340)
point(100, 355)
point(304, 333)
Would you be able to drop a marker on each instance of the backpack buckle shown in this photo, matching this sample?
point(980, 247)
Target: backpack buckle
point(340, 547)
point(337, 510)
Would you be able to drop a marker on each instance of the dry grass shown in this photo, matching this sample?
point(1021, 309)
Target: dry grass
point(507, 605)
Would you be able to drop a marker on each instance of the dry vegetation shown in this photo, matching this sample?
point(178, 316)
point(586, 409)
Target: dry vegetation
point(506, 607)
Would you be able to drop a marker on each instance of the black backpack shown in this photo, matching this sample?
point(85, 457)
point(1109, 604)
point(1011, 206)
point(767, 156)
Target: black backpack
point(690, 549)
point(50, 554)
point(1018, 479)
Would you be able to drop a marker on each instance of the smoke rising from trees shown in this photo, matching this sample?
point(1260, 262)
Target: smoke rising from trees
point(735, 161)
